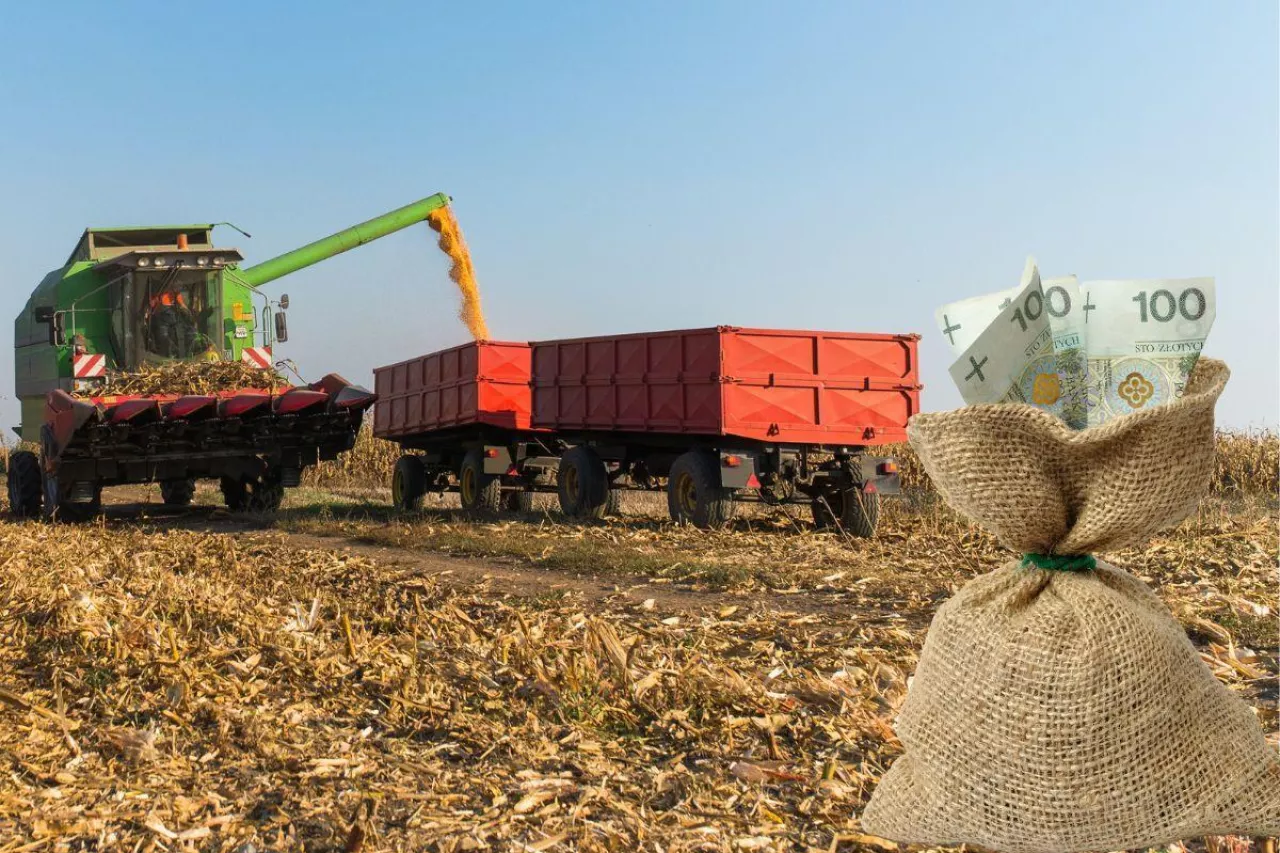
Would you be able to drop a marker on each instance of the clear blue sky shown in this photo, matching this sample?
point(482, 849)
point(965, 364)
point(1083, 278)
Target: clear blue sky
point(841, 165)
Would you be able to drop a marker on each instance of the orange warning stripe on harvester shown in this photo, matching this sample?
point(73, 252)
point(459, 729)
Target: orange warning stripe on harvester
point(257, 357)
point(88, 365)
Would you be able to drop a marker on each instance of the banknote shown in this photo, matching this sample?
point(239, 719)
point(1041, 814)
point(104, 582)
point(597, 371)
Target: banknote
point(962, 322)
point(1065, 308)
point(1142, 339)
point(1012, 359)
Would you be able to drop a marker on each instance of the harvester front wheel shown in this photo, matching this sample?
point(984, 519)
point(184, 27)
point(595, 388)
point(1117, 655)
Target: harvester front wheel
point(26, 484)
point(694, 493)
point(480, 492)
point(408, 482)
point(263, 494)
point(178, 492)
point(582, 482)
point(59, 507)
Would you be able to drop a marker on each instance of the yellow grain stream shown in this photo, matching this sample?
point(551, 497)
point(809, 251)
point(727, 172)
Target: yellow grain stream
point(463, 274)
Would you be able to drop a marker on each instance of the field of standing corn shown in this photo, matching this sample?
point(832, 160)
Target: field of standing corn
point(1248, 462)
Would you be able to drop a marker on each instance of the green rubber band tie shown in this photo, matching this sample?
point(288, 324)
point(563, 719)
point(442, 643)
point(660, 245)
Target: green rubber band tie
point(1060, 563)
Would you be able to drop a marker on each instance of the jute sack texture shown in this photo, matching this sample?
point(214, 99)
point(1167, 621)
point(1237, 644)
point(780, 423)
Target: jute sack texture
point(1067, 710)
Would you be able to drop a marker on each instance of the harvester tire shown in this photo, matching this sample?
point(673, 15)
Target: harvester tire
point(178, 492)
point(518, 500)
point(58, 508)
point(857, 511)
point(253, 495)
point(26, 484)
point(408, 483)
point(583, 485)
point(694, 493)
point(480, 492)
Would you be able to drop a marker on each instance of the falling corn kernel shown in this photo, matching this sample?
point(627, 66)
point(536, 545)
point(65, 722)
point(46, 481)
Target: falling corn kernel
point(463, 274)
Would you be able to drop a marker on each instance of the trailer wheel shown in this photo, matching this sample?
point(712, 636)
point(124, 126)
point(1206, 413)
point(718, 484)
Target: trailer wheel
point(858, 511)
point(518, 500)
point(583, 485)
point(177, 492)
point(408, 482)
point(694, 493)
point(263, 494)
point(26, 484)
point(480, 492)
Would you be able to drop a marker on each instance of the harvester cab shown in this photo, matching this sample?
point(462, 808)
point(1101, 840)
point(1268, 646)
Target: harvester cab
point(129, 301)
point(165, 302)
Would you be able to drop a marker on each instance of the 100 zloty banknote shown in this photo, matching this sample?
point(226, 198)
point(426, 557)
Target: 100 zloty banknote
point(1143, 338)
point(1012, 359)
point(1059, 301)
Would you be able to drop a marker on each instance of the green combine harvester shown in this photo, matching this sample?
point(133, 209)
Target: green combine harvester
point(130, 299)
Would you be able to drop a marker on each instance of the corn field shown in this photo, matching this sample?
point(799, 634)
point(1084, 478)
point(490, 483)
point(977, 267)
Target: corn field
point(1247, 463)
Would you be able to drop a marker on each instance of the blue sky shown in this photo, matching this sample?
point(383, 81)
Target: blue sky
point(830, 165)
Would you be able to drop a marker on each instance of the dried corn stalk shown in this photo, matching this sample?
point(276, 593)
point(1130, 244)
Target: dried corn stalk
point(189, 377)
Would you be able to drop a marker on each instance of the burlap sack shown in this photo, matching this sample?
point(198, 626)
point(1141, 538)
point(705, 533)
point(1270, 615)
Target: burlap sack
point(1062, 710)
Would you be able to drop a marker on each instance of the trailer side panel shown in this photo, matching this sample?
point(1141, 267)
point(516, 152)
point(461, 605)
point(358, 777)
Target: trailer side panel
point(784, 386)
point(486, 382)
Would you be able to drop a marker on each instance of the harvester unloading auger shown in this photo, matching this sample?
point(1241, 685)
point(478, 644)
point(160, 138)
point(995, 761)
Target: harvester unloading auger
point(131, 299)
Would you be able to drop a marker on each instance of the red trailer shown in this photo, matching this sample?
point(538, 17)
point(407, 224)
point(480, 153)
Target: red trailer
point(716, 416)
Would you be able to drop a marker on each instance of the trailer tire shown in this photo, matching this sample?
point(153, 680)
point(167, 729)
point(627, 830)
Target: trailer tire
point(583, 485)
point(26, 484)
point(518, 500)
point(694, 493)
point(408, 483)
point(480, 492)
point(858, 511)
point(178, 492)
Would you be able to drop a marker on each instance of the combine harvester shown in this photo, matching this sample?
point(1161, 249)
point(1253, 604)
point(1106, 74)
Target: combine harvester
point(131, 299)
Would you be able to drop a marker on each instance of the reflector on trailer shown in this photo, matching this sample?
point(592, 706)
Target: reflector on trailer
point(298, 399)
point(753, 482)
point(192, 404)
point(242, 404)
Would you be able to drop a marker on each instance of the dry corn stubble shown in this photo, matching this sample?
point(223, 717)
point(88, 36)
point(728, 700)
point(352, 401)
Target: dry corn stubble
point(502, 720)
point(240, 689)
point(212, 678)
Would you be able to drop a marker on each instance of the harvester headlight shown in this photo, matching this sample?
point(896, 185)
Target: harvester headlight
point(158, 260)
point(144, 262)
point(202, 261)
point(217, 262)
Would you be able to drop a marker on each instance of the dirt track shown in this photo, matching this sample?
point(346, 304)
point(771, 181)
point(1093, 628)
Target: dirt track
point(505, 577)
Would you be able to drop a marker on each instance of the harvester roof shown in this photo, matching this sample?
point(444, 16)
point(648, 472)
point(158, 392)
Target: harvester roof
point(99, 244)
